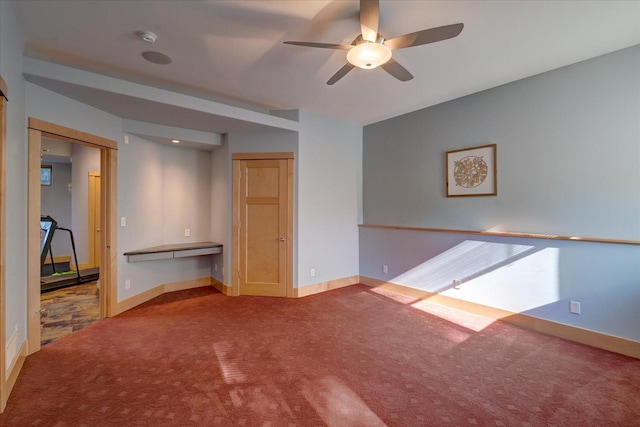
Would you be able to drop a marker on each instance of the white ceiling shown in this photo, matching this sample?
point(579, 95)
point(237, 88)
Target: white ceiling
point(233, 50)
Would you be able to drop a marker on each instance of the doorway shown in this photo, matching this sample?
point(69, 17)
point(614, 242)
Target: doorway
point(69, 206)
point(263, 224)
point(107, 208)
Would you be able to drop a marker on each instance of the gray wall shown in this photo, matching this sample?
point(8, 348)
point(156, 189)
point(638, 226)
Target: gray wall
point(530, 276)
point(568, 152)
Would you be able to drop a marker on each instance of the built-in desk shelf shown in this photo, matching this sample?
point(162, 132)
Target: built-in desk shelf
point(180, 250)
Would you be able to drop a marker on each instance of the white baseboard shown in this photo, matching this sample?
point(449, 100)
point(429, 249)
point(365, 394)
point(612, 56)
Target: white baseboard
point(149, 294)
point(330, 285)
point(12, 374)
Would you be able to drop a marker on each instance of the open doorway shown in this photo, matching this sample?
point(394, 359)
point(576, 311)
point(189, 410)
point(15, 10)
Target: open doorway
point(70, 247)
point(105, 167)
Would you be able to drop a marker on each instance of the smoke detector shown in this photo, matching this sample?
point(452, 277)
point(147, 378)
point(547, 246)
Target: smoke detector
point(148, 36)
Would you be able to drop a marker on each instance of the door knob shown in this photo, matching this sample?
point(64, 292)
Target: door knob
point(283, 239)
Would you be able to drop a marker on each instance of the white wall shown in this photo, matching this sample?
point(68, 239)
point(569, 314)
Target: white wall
point(329, 174)
point(568, 148)
point(11, 47)
point(162, 190)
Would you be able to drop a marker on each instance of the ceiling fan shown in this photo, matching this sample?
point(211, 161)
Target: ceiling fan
point(370, 49)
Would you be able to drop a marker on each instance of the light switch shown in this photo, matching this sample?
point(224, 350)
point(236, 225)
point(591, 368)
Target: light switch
point(123, 221)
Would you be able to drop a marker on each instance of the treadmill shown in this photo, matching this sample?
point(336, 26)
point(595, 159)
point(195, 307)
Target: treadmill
point(48, 227)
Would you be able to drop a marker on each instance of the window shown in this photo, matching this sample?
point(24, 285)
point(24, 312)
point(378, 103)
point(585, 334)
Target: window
point(45, 175)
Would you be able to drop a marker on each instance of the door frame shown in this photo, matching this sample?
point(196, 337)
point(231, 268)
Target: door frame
point(93, 260)
point(108, 213)
point(236, 241)
point(4, 384)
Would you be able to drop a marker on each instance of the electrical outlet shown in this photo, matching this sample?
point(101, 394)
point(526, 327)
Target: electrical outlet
point(312, 272)
point(385, 269)
point(574, 307)
point(215, 267)
point(127, 284)
point(457, 283)
point(187, 232)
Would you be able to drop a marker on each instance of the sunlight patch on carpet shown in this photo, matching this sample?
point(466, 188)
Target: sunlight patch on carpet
point(337, 404)
point(470, 321)
point(231, 373)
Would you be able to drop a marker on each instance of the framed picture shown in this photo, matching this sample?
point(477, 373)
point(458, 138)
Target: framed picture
point(472, 171)
point(45, 175)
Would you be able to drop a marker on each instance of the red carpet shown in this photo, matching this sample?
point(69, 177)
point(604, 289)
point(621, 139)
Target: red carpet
point(351, 357)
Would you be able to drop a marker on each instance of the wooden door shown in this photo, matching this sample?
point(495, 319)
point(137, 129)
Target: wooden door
point(264, 226)
point(94, 219)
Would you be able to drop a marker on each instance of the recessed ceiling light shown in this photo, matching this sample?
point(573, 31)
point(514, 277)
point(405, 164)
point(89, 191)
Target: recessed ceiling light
point(148, 36)
point(156, 57)
point(175, 141)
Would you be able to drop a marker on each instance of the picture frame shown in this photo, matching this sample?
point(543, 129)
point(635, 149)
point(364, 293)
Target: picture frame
point(45, 174)
point(472, 171)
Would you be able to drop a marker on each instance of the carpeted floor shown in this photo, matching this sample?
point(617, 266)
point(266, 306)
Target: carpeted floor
point(68, 310)
point(350, 357)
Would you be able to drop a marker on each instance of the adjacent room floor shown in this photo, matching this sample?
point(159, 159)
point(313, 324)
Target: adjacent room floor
point(65, 311)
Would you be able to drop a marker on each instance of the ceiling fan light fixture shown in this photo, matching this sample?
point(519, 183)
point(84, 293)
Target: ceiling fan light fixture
point(368, 55)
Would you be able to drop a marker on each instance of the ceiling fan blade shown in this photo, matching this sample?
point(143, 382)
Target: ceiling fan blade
point(341, 73)
point(397, 70)
point(322, 45)
point(369, 19)
point(425, 36)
